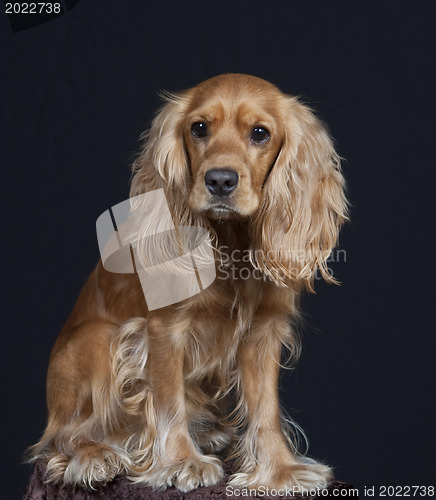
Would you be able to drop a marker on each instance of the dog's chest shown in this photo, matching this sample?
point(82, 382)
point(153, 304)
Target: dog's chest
point(219, 323)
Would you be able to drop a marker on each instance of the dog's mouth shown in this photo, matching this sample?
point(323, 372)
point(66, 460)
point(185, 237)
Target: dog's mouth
point(221, 211)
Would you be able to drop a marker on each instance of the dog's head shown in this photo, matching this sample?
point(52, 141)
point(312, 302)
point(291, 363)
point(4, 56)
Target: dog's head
point(235, 146)
point(233, 133)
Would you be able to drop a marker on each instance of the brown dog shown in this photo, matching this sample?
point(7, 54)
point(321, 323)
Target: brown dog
point(154, 394)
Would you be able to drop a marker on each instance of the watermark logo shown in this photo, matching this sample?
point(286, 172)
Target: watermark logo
point(138, 235)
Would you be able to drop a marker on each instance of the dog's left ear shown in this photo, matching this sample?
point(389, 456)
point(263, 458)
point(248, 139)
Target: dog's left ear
point(304, 204)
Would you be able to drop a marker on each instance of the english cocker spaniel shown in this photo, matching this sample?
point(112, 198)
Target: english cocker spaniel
point(162, 395)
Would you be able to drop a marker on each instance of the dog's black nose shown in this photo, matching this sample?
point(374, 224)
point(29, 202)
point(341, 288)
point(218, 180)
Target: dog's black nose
point(221, 181)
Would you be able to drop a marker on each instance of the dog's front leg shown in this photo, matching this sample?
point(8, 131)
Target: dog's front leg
point(265, 457)
point(176, 460)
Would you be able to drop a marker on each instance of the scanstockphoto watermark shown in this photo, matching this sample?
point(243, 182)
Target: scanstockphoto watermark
point(379, 491)
point(265, 491)
point(174, 263)
point(241, 264)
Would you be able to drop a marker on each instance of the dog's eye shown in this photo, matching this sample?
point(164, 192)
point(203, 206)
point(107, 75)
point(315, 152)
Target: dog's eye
point(259, 135)
point(199, 130)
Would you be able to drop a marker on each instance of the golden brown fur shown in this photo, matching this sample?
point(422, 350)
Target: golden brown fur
point(156, 395)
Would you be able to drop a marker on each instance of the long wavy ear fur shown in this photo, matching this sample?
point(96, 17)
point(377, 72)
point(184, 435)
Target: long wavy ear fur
point(304, 203)
point(163, 162)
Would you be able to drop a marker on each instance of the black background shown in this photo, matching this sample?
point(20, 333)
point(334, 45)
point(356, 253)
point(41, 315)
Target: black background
point(78, 91)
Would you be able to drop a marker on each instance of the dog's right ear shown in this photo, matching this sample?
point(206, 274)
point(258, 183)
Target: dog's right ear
point(163, 161)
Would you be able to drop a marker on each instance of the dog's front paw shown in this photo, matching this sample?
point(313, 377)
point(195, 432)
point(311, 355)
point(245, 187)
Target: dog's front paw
point(305, 475)
point(188, 474)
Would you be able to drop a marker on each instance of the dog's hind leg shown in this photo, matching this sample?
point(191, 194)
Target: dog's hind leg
point(80, 443)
